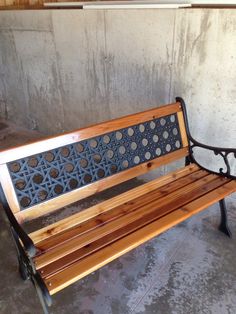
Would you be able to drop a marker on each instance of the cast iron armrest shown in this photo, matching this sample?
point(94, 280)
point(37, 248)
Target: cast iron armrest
point(23, 236)
point(223, 152)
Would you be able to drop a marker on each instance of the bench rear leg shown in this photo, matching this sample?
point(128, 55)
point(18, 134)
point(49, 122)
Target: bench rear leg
point(223, 227)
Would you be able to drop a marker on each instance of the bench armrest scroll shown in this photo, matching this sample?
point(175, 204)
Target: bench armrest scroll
point(25, 239)
point(221, 151)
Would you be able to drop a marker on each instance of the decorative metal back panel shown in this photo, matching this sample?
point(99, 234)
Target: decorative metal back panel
point(49, 174)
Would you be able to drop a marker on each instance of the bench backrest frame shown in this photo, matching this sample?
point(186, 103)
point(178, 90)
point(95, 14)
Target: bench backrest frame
point(50, 205)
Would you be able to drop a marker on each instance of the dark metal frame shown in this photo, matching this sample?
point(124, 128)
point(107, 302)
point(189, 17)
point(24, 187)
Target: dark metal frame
point(25, 253)
point(223, 152)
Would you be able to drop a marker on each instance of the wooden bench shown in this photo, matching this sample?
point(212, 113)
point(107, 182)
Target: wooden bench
point(44, 176)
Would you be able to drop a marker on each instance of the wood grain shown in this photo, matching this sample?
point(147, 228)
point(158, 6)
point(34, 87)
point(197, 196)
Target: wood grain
point(102, 257)
point(121, 210)
point(130, 227)
point(182, 129)
point(95, 210)
point(172, 201)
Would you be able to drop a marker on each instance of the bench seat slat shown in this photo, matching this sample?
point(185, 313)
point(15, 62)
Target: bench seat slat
point(121, 210)
point(96, 260)
point(75, 219)
point(155, 209)
point(64, 262)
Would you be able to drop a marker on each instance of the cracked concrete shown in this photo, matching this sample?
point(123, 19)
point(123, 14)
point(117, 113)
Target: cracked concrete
point(189, 269)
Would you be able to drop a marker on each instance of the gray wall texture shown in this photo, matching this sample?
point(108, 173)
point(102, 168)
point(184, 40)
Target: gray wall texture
point(65, 69)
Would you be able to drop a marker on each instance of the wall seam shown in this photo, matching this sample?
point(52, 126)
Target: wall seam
point(106, 60)
point(172, 59)
point(28, 114)
point(58, 72)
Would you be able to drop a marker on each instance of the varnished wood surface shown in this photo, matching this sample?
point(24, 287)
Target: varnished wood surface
point(98, 186)
point(103, 256)
point(141, 214)
point(78, 218)
point(182, 128)
point(121, 210)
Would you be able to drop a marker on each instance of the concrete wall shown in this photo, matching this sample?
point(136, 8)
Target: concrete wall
point(65, 69)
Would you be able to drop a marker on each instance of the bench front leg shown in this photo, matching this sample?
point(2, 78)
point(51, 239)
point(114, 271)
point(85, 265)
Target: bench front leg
point(223, 227)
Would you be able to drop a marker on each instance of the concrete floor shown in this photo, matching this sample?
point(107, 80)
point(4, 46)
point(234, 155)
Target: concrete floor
point(188, 270)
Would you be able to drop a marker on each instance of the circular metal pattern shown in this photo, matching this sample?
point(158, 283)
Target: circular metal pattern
point(73, 183)
point(136, 160)
point(122, 150)
point(155, 138)
point(168, 148)
point(158, 151)
point(14, 167)
point(130, 131)
point(163, 121)
point(25, 201)
point(93, 143)
point(141, 128)
point(175, 131)
point(152, 125)
point(147, 155)
point(177, 144)
point(172, 118)
point(65, 151)
point(83, 163)
point(49, 156)
point(144, 142)
point(33, 162)
point(54, 173)
point(42, 195)
point(69, 167)
point(38, 178)
point(165, 134)
point(97, 158)
point(49, 174)
point(119, 136)
point(58, 189)
point(125, 164)
point(110, 153)
point(133, 146)
point(106, 139)
point(20, 184)
point(80, 148)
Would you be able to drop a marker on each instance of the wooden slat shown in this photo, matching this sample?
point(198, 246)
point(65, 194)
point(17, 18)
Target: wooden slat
point(111, 237)
point(182, 129)
point(84, 215)
point(98, 186)
point(8, 189)
point(119, 211)
point(174, 199)
point(85, 133)
point(122, 246)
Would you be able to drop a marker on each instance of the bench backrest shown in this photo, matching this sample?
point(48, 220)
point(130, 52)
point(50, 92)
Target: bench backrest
point(46, 175)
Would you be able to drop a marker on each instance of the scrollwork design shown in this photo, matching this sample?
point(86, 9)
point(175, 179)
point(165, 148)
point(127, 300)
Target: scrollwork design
point(223, 152)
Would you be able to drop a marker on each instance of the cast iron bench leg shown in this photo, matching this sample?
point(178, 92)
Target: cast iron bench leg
point(223, 227)
point(44, 298)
